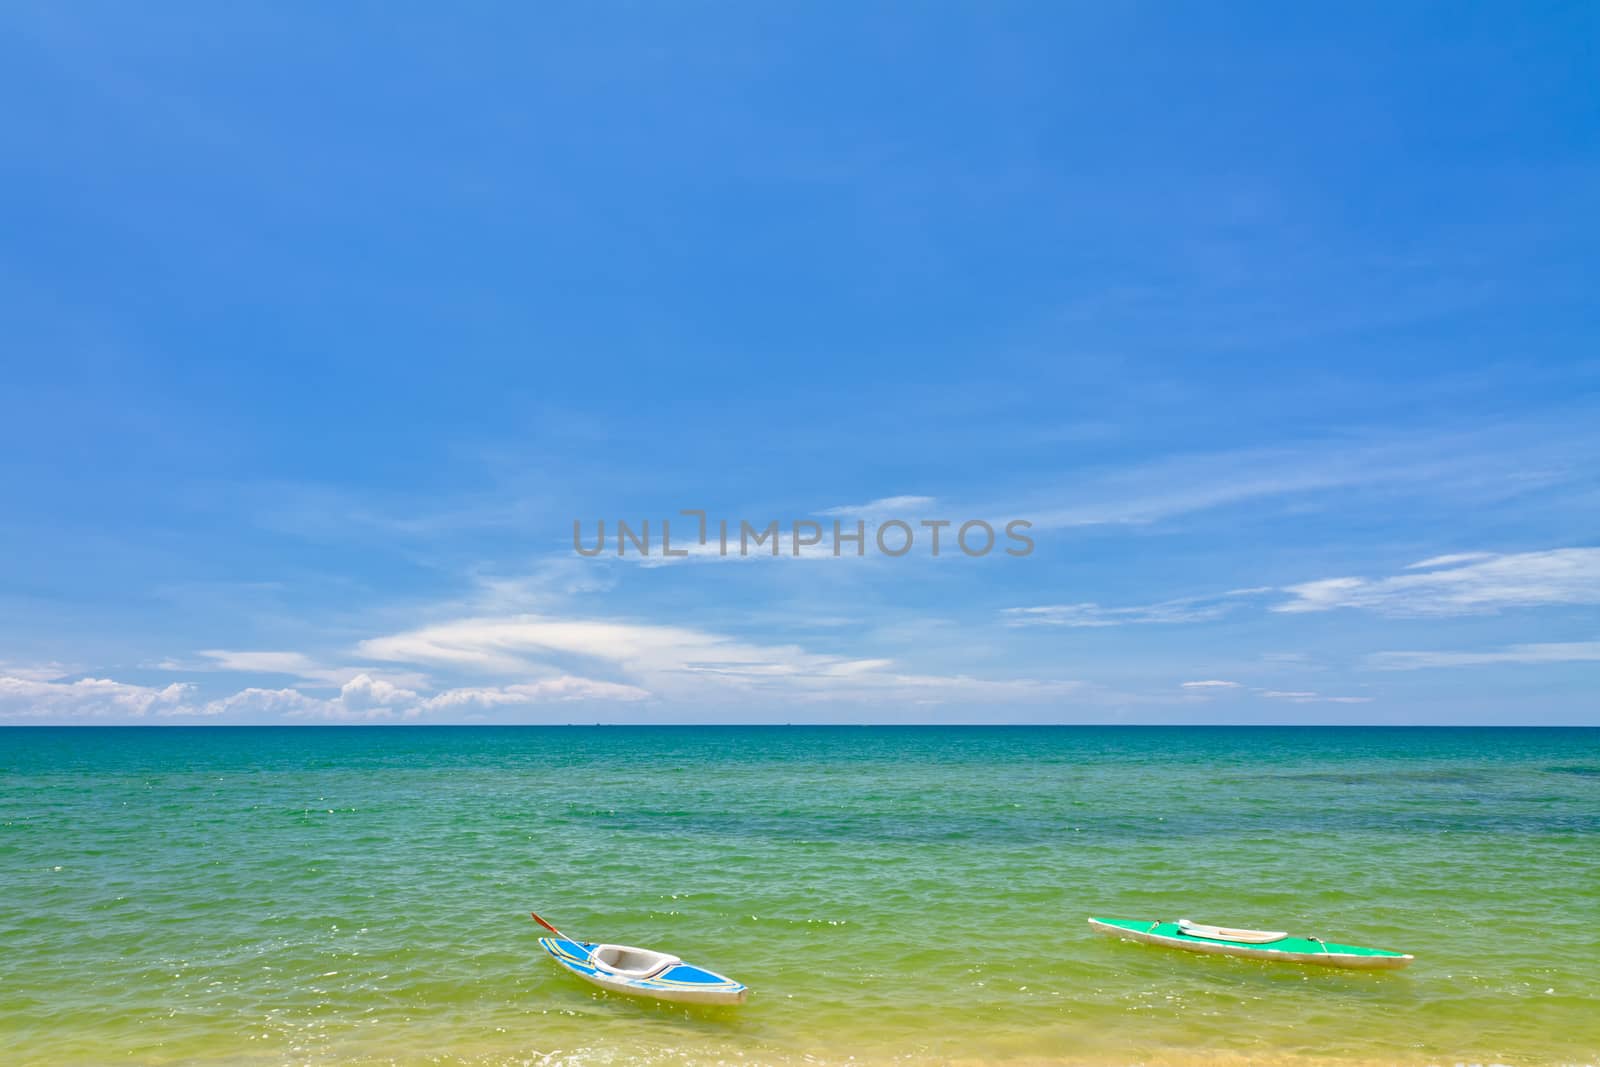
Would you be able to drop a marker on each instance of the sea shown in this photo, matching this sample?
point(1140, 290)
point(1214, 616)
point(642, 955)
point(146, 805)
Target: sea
point(891, 895)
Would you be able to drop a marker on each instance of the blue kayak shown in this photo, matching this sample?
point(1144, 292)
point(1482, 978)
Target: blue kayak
point(641, 971)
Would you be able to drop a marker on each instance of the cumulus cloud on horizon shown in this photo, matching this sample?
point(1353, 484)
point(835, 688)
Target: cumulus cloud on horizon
point(88, 698)
point(512, 662)
point(361, 699)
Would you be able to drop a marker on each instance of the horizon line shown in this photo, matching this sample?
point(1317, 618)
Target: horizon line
point(790, 725)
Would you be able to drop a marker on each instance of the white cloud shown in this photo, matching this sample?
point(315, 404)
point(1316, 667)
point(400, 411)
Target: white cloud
point(675, 661)
point(1302, 697)
point(362, 699)
point(519, 644)
point(265, 662)
point(1446, 561)
point(1212, 683)
point(297, 665)
point(367, 699)
point(564, 689)
point(1463, 585)
point(1089, 614)
point(1482, 464)
point(365, 693)
point(1554, 652)
point(933, 688)
point(889, 507)
point(544, 582)
point(88, 698)
point(36, 672)
point(526, 661)
point(1192, 484)
point(255, 702)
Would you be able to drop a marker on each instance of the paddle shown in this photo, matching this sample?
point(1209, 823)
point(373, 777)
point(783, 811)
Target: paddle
point(547, 926)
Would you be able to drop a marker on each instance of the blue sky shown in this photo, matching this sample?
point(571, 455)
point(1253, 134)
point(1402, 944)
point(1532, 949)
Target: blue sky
point(323, 324)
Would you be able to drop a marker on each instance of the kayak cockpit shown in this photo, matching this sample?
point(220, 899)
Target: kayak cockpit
point(631, 962)
point(1228, 933)
point(640, 971)
point(1255, 944)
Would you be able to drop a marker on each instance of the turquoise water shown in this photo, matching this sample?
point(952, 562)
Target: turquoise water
point(917, 895)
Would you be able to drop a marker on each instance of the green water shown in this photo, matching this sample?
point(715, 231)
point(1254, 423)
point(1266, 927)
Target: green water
point(334, 896)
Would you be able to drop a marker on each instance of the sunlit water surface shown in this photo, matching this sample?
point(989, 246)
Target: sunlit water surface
point(360, 896)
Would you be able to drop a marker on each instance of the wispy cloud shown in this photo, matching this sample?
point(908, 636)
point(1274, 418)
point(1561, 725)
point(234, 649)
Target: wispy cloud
point(551, 580)
point(1465, 584)
point(339, 513)
point(677, 661)
point(36, 672)
point(888, 507)
point(1447, 561)
point(1212, 684)
point(1089, 614)
point(1551, 652)
point(1304, 697)
point(1477, 464)
point(1188, 484)
point(296, 665)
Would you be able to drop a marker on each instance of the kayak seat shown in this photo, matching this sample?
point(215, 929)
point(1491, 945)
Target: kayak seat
point(630, 962)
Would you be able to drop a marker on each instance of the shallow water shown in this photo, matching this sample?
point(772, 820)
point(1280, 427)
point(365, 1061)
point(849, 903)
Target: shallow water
point(360, 896)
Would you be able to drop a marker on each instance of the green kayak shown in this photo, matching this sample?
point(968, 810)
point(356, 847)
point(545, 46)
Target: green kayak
point(1256, 944)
